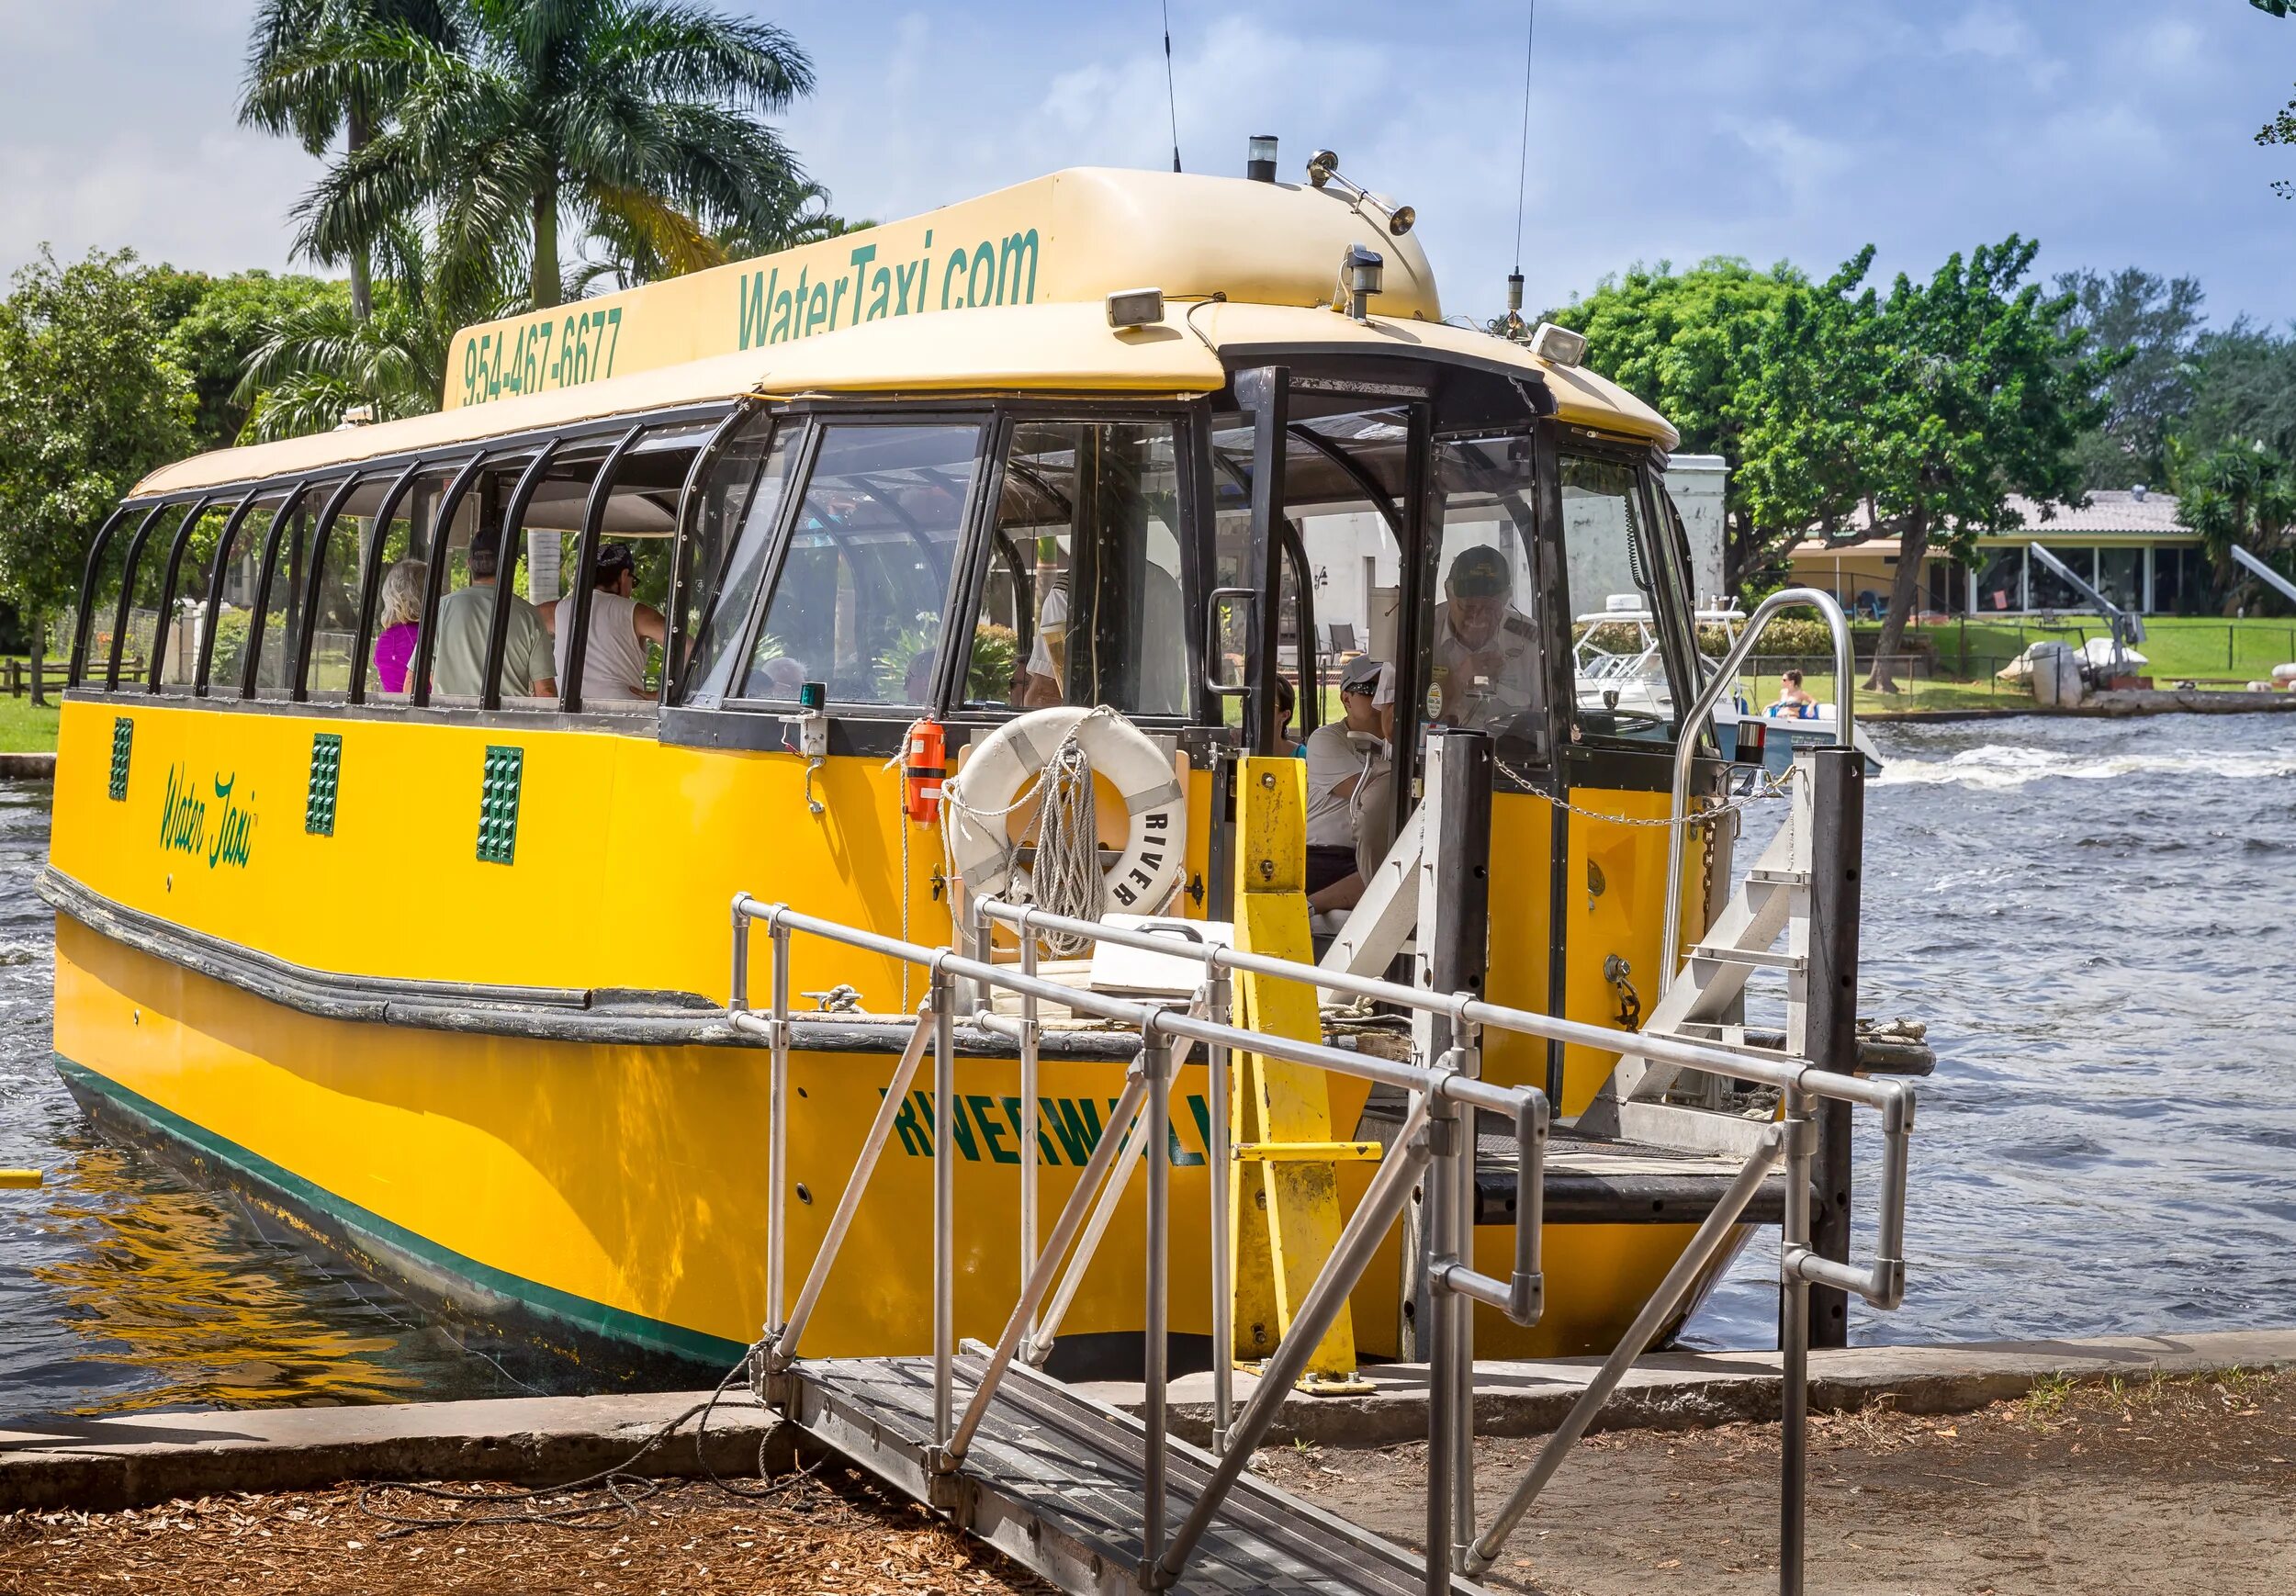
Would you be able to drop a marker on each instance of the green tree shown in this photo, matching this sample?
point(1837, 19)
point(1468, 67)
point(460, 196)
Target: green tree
point(1917, 415)
point(320, 69)
point(2241, 494)
point(1689, 343)
point(643, 111)
point(314, 364)
point(2157, 320)
point(2281, 130)
point(90, 399)
point(2243, 391)
point(215, 324)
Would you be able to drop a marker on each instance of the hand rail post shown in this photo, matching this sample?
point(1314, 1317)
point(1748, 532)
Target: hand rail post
point(1216, 1168)
point(1445, 1307)
point(1799, 1132)
point(1155, 1057)
point(1032, 1154)
point(1686, 744)
point(777, 1138)
point(945, 1210)
point(1466, 1043)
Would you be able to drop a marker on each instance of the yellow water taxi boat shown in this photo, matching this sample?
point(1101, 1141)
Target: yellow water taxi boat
point(404, 910)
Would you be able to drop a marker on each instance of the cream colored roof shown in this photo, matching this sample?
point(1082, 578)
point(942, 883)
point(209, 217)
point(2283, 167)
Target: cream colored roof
point(1021, 348)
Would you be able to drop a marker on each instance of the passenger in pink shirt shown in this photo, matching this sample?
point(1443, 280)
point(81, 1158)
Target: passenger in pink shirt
point(398, 616)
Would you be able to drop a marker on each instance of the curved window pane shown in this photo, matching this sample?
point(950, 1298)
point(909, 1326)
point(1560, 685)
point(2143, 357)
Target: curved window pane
point(146, 584)
point(859, 600)
point(733, 534)
point(1085, 564)
point(233, 622)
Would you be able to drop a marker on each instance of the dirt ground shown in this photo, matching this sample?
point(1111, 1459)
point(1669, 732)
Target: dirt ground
point(2170, 1486)
point(829, 1532)
point(2176, 1486)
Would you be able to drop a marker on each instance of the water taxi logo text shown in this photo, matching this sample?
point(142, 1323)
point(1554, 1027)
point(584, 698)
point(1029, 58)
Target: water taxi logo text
point(1068, 1129)
point(221, 828)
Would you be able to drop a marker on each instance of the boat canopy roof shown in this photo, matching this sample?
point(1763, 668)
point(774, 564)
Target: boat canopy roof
point(1247, 269)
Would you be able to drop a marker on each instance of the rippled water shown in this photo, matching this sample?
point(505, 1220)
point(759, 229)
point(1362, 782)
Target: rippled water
point(2098, 920)
point(121, 1286)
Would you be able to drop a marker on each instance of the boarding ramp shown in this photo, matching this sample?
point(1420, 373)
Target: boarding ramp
point(1096, 1500)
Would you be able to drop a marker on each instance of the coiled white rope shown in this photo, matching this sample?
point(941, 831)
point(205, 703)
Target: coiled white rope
point(1066, 879)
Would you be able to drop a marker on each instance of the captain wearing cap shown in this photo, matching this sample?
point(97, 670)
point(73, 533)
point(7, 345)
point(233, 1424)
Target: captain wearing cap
point(1486, 653)
point(1351, 818)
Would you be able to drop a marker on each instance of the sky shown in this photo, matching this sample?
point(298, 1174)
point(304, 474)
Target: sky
point(2116, 132)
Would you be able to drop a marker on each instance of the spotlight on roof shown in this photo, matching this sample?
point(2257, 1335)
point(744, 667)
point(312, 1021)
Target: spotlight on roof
point(1361, 272)
point(1558, 345)
point(1135, 308)
point(1259, 164)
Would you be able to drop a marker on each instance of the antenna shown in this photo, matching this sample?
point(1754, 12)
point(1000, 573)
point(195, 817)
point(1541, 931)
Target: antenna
point(1523, 172)
point(1171, 98)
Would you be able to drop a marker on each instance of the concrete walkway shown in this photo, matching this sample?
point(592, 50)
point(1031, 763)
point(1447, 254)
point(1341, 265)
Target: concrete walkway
point(135, 1460)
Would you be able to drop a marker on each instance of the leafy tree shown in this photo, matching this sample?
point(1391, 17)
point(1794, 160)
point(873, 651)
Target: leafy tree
point(2282, 130)
point(1689, 343)
point(90, 399)
point(2157, 320)
point(2243, 391)
point(317, 69)
point(313, 363)
point(634, 110)
point(2241, 494)
point(216, 325)
point(1919, 414)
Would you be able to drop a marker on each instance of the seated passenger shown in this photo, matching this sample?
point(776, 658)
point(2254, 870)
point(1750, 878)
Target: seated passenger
point(1351, 811)
point(397, 622)
point(1486, 650)
point(613, 657)
point(1287, 711)
point(1039, 682)
point(464, 618)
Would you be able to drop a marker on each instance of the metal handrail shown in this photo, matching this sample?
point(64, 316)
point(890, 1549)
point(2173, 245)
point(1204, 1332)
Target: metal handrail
point(1439, 1125)
point(1686, 746)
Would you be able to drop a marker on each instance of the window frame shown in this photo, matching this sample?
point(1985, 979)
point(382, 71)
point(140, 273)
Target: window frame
point(498, 624)
point(678, 645)
point(228, 540)
point(586, 562)
point(985, 418)
point(1190, 423)
point(126, 601)
point(370, 580)
point(434, 586)
point(176, 547)
point(83, 632)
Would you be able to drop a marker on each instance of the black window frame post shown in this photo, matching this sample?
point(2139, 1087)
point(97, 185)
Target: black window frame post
point(84, 624)
point(299, 641)
point(175, 548)
point(1263, 550)
point(226, 541)
point(499, 625)
point(370, 572)
point(128, 587)
point(585, 569)
point(426, 630)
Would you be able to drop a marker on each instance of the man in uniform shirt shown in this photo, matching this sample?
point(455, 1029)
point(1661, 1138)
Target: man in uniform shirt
point(1351, 810)
point(1486, 650)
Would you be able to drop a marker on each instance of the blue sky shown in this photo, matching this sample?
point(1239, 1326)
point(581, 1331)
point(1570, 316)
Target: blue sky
point(2117, 131)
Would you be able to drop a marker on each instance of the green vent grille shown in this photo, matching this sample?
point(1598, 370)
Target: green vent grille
point(498, 804)
point(318, 803)
point(123, 744)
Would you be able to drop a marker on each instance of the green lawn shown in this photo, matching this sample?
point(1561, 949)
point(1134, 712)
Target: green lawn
point(24, 729)
point(2181, 648)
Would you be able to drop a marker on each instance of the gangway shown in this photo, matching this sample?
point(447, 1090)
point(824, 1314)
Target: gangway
point(1096, 1500)
point(2265, 573)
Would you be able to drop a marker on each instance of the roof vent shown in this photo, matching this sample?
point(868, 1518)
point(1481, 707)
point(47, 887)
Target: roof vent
point(2137, 493)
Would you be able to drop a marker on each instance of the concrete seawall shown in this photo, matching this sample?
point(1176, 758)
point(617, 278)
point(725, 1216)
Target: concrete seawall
point(135, 1460)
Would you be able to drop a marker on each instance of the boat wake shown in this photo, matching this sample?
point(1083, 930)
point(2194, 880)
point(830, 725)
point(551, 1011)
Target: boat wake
point(1993, 767)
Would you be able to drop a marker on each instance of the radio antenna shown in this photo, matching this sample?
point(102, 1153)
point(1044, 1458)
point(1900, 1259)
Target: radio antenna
point(1523, 170)
point(1171, 98)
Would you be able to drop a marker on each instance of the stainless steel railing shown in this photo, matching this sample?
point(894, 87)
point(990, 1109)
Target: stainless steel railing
point(1437, 1135)
point(1720, 680)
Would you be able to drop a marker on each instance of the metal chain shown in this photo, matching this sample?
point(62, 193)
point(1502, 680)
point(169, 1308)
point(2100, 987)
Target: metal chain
point(1772, 787)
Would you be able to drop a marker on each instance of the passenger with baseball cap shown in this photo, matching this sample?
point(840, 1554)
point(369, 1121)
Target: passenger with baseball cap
point(1486, 654)
point(614, 659)
point(1351, 809)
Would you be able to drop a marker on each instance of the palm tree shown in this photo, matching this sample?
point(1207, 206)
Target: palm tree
point(320, 360)
point(314, 71)
point(2238, 495)
point(634, 118)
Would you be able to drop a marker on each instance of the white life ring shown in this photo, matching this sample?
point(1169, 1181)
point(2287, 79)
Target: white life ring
point(1155, 845)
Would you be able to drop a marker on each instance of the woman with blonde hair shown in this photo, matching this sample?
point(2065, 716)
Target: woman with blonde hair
point(398, 618)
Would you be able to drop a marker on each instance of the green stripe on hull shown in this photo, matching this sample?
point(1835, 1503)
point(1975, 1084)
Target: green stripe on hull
point(545, 1302)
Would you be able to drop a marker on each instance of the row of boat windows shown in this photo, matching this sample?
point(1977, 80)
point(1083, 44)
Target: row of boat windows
point(827, 551)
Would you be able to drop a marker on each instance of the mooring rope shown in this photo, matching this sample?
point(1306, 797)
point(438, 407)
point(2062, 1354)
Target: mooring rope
point(1066, 879)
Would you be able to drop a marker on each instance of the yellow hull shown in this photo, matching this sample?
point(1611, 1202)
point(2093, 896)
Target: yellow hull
point(599, 1191)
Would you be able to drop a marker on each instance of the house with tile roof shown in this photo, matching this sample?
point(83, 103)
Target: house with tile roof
point(2126, 542)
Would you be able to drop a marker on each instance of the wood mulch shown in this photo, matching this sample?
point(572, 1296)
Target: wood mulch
point(831, 1530)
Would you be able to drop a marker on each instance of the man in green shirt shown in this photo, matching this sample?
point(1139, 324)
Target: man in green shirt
point(466, 615)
